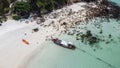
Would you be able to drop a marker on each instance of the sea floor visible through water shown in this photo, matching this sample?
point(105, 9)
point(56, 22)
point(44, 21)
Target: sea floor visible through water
point(103, 55)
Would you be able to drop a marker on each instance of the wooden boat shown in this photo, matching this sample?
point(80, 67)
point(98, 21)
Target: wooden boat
point(64, 44)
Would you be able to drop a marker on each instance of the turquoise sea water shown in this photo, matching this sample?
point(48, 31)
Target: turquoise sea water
point(116, 1)
point(102, 55)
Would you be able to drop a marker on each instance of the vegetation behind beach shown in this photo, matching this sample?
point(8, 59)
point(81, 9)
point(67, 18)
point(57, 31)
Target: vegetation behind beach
point(23, 8)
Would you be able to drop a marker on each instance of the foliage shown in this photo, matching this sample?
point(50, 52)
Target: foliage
point(41, 4)
point(1, 8)
point(22, 9)
point(52, 4)
point(3, 4)
point(46, 5)
point(15, 17)
point(6, 10)
point(22, 6)
point(38, 6)
point(10, 1)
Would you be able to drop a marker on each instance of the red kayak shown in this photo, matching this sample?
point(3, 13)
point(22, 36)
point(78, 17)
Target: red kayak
point(64, 44)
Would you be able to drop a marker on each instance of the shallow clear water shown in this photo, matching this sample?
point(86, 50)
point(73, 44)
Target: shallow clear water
point(116, 1)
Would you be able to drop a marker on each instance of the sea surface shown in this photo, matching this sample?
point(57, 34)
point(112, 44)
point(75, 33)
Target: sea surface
point(116, 1)
point(105, 54)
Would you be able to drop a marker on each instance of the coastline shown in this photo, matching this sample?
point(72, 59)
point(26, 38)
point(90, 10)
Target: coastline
point(15, 54)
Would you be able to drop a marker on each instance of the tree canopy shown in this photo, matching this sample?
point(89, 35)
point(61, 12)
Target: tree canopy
point(22, 6)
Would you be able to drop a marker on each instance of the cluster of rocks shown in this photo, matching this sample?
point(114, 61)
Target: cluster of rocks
point(65, 18)
point(104, 8)
point(88, 37)
point(83, 33)
point(68, 19)
point(92, 39)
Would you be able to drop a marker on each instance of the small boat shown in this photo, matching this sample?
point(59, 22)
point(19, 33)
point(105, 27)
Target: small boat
point(64, 44)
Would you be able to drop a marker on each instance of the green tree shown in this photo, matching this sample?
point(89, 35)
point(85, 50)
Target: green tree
point(42, 5)
point(10, 1)
point(3, 4)
point(22, 8)
point(1, 8)
point(52, 4)
point(61, 3)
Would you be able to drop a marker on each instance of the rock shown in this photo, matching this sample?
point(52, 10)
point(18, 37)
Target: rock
point(94, 49)
point(77, 38)
point(107, 42)
point(92, 40)
point(25, 34)
point(1, 21)
point(82, 37)
point(77, 34)
point(71, 33)
point(36, 30)
point(101, 31)
point(40, 20)
point(110, 35)
point(0, 24)
point(88, 34)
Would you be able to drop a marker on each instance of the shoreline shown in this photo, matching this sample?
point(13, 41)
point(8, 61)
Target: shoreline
point(54, 25)
point(32, 55)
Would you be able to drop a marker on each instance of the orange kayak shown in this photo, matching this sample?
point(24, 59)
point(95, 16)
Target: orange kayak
point(25, 41)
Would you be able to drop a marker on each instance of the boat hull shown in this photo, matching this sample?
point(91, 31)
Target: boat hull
point(58, 42)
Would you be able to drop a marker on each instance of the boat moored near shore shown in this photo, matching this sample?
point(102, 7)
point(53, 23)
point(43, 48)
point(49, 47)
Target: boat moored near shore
point(64, 44)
